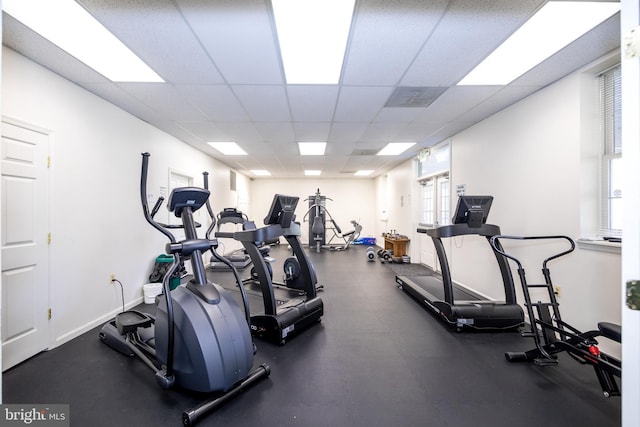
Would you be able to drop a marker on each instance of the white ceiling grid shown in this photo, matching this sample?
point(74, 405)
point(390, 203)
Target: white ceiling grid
point(224, 80)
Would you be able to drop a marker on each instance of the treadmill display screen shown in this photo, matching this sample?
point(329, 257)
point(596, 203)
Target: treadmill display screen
point(282, 210)
point(472, 210)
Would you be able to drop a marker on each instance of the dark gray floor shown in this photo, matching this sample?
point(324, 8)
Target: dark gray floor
point(377, 359)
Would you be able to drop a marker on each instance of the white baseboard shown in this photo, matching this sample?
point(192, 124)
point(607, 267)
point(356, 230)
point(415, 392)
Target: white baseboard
point(88, 326)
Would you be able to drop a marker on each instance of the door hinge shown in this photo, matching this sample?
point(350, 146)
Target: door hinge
point(48, 238)
point(49, 314)
point(48, 161)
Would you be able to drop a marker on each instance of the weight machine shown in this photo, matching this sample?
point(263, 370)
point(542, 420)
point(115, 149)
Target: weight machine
point(322, 222)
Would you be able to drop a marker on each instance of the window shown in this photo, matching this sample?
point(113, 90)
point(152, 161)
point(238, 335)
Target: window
point(610, 212)
point(433, 176)
point(427, 203)
point(444, 200)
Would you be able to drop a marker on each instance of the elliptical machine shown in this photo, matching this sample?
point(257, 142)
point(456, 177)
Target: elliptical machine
point(199, 339)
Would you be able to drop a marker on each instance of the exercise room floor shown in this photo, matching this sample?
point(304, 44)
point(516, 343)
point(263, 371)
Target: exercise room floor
point(377, 359)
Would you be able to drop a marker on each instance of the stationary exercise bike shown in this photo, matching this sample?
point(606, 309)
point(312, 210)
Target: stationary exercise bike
point(552, 335)
point(199, 339)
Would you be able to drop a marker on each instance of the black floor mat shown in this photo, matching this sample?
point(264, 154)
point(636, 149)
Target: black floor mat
point(407, 269)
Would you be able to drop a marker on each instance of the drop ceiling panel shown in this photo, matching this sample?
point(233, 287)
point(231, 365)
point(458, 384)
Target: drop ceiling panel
point(396, 115)
point(275, 131)
point(456, 101)
point(384, 132)
point(469, 31)
point(312, 132)
point(174, 129)
point(502, 99)
point(224, 79)
point(360, 104)
point(312, 162)
point(217, 102)
point(238, 36)
point(204, 131)
point(285, 149)
point(116, 95)
point(339, 149)
point(347, 132)
point(386, 37)
point(264, 103)
point(165, 99)
point(418, 131)
point(312, 103)
point(158, 34)
point(240, 132)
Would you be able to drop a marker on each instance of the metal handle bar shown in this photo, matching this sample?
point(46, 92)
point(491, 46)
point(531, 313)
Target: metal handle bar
point(156, 208)
point(143, 197)
point(496, 247)
point(245, 299)
point(205, 178)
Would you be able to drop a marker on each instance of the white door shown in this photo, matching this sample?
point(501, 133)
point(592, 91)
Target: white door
point(436, 212)
point(25, 252)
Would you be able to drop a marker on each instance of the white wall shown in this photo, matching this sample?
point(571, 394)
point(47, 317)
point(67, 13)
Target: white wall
point(530, 158)
point(397, 194)
point(353, 198)
point(97, 221)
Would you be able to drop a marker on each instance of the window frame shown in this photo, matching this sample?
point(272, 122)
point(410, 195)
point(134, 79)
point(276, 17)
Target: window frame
point(610, 153)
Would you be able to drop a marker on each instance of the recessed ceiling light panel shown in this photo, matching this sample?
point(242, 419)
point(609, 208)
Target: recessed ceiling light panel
point(312, 148)
point(70, 27)
point(395, 148)
point(313, 38)
point(228, 148)
point(554, 26)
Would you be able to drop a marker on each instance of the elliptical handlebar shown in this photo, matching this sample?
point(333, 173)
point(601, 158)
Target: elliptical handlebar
point(205, 178)
point(145, 204)
point(497, 247)
point(216, 255)
point(164, 377)
point(156, 207)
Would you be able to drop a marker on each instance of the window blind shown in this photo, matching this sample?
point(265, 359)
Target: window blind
point(610, 211)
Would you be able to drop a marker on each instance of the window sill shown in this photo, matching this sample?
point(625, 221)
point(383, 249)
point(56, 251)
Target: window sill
point(599, 245)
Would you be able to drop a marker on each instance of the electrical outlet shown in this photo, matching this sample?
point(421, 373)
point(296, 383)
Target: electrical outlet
point(556, 290)
point(112, 277)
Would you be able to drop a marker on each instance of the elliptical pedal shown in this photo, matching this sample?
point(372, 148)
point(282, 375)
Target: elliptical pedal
point(129, 321)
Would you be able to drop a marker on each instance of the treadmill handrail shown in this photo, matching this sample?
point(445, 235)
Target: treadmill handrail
point(485, 230)
point(248, 238)
point(453, 230)
point(267, 233)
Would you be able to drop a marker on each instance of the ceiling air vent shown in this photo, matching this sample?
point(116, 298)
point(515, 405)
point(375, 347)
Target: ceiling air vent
point(414, 97)
point(364, 152)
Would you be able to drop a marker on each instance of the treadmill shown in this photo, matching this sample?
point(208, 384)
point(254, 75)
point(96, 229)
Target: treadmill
point(457, 306)
point(281, 320)
point(239, 258)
